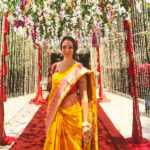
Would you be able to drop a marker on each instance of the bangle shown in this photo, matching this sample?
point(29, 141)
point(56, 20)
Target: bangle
point(86, 124)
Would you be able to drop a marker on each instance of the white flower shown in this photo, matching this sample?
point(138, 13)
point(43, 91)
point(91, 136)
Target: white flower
point(17, 10)
point(20, 17)
point(1, 3)
point(29, 20)
point(20, 31)
point(116, 6)
point(10, 18)
point(48, 23)
point(139, 6)
point(121, 10)
point(3, 7)
point(147, 1)
point(99, 12)
point(63, 14)
point(63, 6)
point(39, 12)
point(128, 17)
point(34, 7)
point(74, 20)
point(69, 1)
point(51, 1)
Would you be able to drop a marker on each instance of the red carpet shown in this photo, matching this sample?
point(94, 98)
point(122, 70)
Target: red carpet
point(108, 136)
point(33, 135)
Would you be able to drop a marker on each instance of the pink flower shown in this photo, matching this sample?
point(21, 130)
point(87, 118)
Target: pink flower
point(75, 2)
point(45, 44)
point(94, 40)
point(23, 4)
point(18, 23)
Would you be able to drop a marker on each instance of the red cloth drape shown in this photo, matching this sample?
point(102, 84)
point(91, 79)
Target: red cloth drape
point(102, 97)
point(39, 96)
point(5, 49)
point(6, 24)
point(98, 67)
point(3, 96)
point(4, 140)
point(3, 71)
point(129, 41)
point(98, 57)
point(137, 141)
point(4, 67)
point(39, 77)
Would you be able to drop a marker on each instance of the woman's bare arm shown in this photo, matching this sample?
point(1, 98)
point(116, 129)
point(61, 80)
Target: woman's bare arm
point(82, 83)
point(87, 132)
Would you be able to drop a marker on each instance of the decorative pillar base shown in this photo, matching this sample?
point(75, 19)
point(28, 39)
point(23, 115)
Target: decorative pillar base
point(103, 99)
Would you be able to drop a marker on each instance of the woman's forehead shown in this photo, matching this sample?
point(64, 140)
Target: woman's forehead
point(67, 42)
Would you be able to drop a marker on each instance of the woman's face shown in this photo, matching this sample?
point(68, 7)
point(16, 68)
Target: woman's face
point(67, 49)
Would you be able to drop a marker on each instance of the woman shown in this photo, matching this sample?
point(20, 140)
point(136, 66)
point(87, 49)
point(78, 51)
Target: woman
point(71, 121)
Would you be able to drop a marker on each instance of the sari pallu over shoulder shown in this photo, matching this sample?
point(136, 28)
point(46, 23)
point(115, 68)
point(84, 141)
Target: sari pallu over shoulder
point(65, 85)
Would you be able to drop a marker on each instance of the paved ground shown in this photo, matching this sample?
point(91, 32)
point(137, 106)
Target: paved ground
point(119, 110)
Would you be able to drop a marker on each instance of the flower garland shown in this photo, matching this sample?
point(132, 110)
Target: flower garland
point(54, 19)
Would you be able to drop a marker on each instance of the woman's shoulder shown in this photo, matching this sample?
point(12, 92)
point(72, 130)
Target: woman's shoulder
point(80, 65)
point(54, 65)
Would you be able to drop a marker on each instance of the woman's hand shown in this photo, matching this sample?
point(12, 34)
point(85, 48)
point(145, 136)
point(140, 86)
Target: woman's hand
point(87, 134)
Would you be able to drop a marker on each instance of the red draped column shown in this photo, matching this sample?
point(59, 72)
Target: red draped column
point(39, 96)
point(4, 140)
point(136, 141)
point(102, 96)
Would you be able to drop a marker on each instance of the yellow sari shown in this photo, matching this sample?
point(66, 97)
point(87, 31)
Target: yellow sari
point(64, 125)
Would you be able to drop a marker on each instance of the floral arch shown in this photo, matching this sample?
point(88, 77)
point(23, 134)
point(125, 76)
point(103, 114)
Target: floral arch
point(45, 22)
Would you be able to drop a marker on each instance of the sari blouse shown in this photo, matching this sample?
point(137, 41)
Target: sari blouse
point(75, 87)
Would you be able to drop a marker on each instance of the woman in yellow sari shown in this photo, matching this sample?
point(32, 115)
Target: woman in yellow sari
point(71, 121)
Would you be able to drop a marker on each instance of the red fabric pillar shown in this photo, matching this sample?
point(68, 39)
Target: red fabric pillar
point(4, 140)
point(136, 141)
point(2, 132)
point(3, 72)
point(39, 96)
point(102, 97)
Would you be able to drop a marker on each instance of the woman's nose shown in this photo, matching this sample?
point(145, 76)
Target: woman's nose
point(67, 48)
